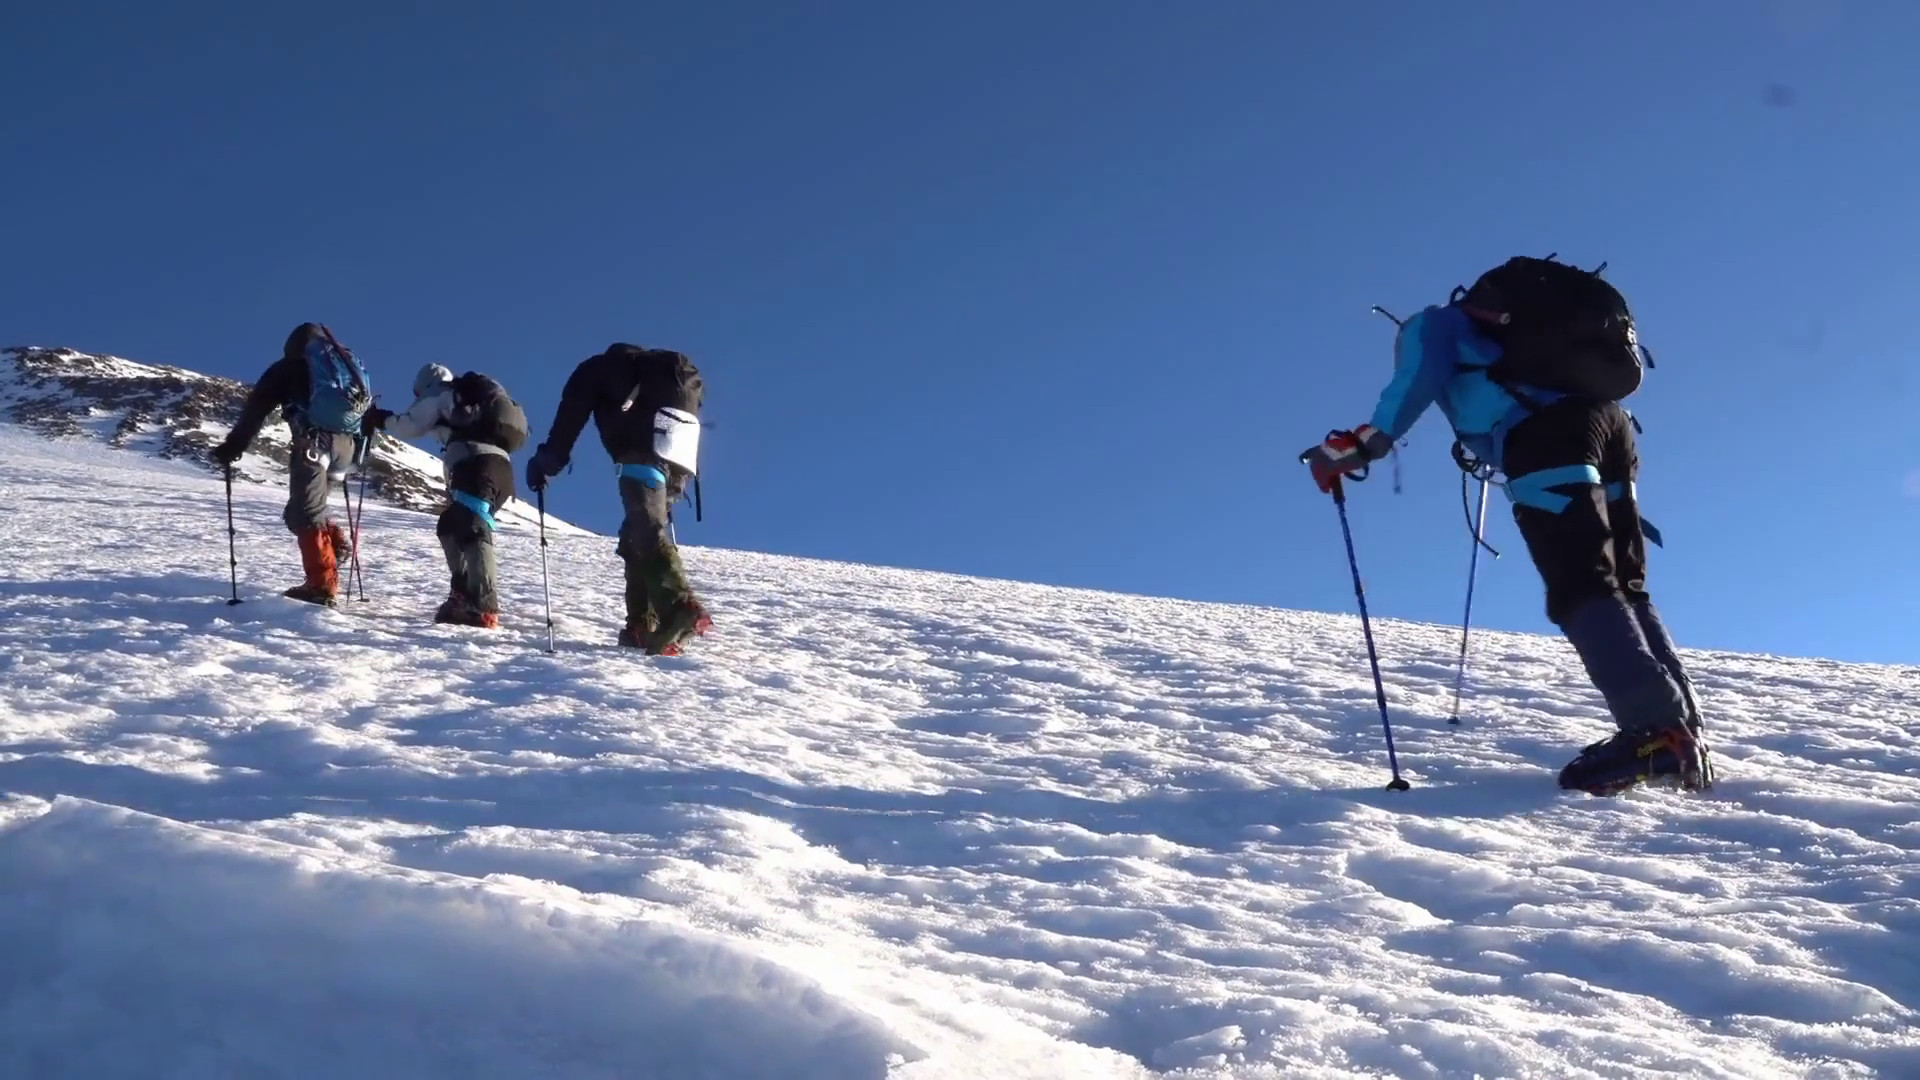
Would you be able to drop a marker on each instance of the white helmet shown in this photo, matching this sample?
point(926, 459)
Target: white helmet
point(431, 376)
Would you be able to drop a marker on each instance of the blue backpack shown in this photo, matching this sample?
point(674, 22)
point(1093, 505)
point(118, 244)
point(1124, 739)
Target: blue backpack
point(338, 390)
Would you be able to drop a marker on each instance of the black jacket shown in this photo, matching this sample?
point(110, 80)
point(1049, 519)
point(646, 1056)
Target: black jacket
point(621, 389)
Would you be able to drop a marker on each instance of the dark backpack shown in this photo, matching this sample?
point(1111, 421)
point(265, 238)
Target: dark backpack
point(1559, 328)
point(338, 391)
point(662, 379)
point(483, 412)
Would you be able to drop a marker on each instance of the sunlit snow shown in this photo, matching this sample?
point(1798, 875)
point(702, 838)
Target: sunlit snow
point(881, 824)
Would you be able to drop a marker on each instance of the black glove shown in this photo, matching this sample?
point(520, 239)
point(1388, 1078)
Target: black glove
point(227, 452)
point(375, 419)
point(545, 462)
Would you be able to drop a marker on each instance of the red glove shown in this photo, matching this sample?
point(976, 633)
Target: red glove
point(1345, 452)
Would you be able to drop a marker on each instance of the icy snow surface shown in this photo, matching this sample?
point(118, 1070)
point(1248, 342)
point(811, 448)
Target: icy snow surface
point(880, 824)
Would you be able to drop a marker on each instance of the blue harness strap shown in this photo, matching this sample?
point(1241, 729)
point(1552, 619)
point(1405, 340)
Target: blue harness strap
point(1534, 489)
point(479, 507)
point(649, 476)
point(1618, 491)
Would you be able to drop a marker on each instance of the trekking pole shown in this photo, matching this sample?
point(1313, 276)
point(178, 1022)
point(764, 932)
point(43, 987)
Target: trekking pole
point(353, 531)
point(1466, 620)
point(1398, 783)
point(359, 517)
point(546, 591)
point(233, 553)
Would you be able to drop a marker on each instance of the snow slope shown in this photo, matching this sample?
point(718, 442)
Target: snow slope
point(881, 824)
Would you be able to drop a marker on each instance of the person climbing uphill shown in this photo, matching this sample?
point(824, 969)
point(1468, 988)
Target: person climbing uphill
point(323, 393)
point(1530, 366)
point(478, 426)
point(646, 404)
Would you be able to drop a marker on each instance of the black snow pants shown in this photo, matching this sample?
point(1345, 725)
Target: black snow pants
point(1572, 468)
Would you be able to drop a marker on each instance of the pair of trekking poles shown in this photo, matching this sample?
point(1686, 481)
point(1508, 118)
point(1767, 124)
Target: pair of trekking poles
point(354, 576)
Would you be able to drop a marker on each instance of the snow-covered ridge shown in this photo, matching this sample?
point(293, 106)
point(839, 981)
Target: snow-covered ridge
point(172, 413)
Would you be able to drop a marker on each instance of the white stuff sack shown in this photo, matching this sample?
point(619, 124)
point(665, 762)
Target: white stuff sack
point(676, 438)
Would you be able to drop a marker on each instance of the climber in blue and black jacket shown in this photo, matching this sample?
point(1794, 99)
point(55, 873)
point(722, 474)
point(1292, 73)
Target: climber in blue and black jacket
point(1570, 462)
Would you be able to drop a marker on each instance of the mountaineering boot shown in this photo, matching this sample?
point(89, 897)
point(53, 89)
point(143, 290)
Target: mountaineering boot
point(1662, 647)
point(322, 582)
point(452, 609)
point(1610, 766)
point(474, 576)
point(457, 610)
point(685, 620)
point(662, 614)
point(1655, 741)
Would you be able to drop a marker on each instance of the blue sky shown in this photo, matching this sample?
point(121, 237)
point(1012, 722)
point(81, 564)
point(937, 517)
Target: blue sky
point(1054, 292)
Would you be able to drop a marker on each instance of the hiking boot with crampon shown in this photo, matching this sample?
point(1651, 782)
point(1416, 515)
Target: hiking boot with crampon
point(685, 620)
point(1670, 757)
point(457, 610)
point(311, 595)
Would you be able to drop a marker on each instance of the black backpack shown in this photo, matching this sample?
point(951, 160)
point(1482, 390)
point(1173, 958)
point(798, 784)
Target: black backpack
point(662, 379)
point(1559, 328)
point(483, 412)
